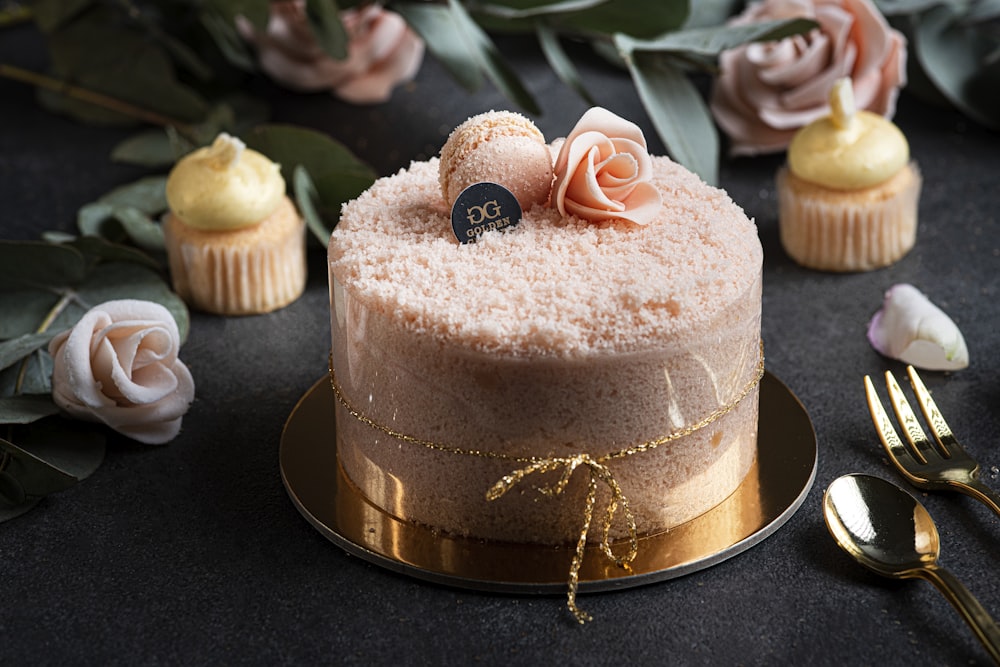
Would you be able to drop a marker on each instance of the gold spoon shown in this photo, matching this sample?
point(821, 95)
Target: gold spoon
point(887, 530)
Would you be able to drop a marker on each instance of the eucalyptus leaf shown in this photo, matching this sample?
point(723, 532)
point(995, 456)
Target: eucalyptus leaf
point(97, 219)
point(256, 11)
point(637, 18)
point(51, 455)
point(98, 249)
point(15, 349)
point(954, 57)
point(489, 59)
point(441, 31)
point(227, 40)
point(148, 194)
point(984, 10)
point(179, 52)
point(25, 409)
point(713, 41)
point(706, 13)
point(324, 18)
point(534, 9)
point(246, 112)
point(36, 264)
point(560, 63)
point(899, 7)
point(24, 310)
point(52, 14)
point(89, 51)
point(55, 236)
point(33, 375)
point(127, 213)
point(337, 174)
point(678, 112)
point(27, 477)
point(143, 230)
point(467, 52)
point(149, 148)
point(67, 444)
point(307, 199)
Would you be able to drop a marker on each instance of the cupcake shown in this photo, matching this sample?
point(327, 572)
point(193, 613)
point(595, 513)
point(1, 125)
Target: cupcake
point(848, 196)
point(235, 242)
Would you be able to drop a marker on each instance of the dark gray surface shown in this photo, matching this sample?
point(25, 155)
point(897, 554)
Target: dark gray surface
point(193, 553)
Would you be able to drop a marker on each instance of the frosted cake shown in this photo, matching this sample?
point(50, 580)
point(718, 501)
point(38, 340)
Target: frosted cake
point(616, 327)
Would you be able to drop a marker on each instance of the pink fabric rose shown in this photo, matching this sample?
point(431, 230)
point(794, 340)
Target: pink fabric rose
point(603, 171)
point(119, 366)
point(767, 91)
point(382, 51)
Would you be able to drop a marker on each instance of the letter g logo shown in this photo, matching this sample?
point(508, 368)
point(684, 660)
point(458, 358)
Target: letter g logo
point(488, 211)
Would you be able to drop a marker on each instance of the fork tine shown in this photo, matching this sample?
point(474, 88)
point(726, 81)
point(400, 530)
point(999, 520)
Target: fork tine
point(886, 431)
point(935, 420)
point(908, 420)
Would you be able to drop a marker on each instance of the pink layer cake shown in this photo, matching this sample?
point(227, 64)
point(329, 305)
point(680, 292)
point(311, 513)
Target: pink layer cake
point(462, 364)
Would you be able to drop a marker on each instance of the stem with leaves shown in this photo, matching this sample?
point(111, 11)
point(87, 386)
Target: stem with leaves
point(92, 97)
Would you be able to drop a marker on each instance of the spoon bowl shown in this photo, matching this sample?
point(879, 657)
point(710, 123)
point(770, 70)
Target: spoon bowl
point(887, 530)
point(881, 526)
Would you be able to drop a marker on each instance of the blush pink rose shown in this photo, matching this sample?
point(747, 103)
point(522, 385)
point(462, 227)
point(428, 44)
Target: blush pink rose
point(382, 52)
point(767, 91)
point(603, 171)
point(119, 366)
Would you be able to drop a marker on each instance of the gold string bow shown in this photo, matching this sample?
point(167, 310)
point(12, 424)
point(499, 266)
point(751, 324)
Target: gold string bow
point(598, 472)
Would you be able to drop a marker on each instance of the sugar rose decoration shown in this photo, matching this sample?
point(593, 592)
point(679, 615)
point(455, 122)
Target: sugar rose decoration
point(766, 91)
point(382, 52)
point(119, 366)
point(603, 171)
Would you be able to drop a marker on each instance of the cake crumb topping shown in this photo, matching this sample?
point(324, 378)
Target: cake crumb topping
point(553, 285)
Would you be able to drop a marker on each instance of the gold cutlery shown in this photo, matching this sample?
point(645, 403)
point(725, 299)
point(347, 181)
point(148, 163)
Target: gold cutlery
point(942, 465)
point(888, 531)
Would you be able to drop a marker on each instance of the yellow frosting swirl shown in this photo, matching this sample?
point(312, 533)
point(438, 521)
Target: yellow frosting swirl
point(224, 186)
point(849, 149)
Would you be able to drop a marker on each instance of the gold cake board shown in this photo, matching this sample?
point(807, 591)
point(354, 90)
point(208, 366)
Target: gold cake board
point(771, 493)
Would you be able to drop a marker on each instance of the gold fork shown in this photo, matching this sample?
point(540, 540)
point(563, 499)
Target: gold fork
point(944, 467)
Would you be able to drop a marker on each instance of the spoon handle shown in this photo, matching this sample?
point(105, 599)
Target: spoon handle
point(968, 606)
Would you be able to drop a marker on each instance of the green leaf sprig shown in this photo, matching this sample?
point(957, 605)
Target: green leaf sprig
point(955, 52)
point(183, 55)
point(45, 288)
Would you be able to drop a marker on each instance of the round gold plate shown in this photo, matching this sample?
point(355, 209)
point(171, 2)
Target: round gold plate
point(773, 490)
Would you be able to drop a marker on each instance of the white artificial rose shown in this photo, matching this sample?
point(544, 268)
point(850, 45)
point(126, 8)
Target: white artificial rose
point(118, 365)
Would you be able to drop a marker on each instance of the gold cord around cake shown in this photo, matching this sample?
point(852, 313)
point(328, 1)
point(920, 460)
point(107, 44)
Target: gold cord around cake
point(599, 472)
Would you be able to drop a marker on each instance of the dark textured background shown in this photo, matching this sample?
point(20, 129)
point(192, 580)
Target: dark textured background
point(193, 553)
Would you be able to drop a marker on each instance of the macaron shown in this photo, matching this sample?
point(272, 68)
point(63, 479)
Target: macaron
point(500, 147)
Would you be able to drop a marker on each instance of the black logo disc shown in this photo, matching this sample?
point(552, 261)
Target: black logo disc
point(484, 207)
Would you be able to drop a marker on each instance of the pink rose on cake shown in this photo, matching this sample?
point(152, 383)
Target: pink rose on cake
point(767, 91)
point(382, 51)
point(603, 171)
point(118, 365)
